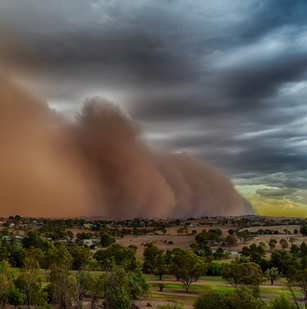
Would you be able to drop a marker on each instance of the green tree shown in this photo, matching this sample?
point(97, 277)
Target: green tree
point(303, 249)
point(84, 235)
point(272, 243)
point(207, 250)
point(297, 278)
point(151, 254)
point(272, 274)
point(161, 269)
point(231, 232)
point(244, 235)
point(93, 264)
point(295, 249)
point(29, 281)
point(121, 287)
point(59, 262)
point(70, 234)
point(16, 297)
point(219, 253)
point(95, 286)
point(106, 240)
point(231, 240)
point(188, 268)
point(284, 243)
point(6, 282)
point(81, 257)
point(292, 240)
point(303, 230)
point(283, 259)
point(118, 254)
point(242, 274)
point(34, 239)
point(163, 230)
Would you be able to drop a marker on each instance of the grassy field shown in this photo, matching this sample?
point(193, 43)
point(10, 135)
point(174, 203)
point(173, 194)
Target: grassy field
point(174, 289)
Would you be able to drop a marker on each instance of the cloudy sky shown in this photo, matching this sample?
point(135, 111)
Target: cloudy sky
point(223, 80)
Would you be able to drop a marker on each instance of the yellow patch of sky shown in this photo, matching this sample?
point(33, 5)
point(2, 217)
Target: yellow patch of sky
point(292, 205)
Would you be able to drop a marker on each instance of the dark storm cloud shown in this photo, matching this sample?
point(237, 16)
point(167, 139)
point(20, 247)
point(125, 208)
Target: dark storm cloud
point(225, 81)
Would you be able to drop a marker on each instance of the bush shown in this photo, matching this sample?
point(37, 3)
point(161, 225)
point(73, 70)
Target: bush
point(240, 299)
point(282, 302)
point(170, 242)
point(213, 269)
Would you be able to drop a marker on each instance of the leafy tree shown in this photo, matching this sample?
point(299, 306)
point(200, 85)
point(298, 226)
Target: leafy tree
point(58, 259)
point(292, 240)
point(118, 254)
point(84, 235)
point(219, 253)
point(303, 249)
point(295, 249)
point(95, 286)
point(239, 299)
point(40, 299)
point(70, 234)
point(16, 297)
point(93, 264)
point(151, 254)
point(297, 278)
point(284, 243)
point(244, 274)
point(29, 281)
point(3, 254)
point(231, 240)
point(272, 274)
point(303, 230)
point(59, 262)
point(6, 282)
point(243, 259)
point(180, 231)
point(295, 231)
point(106, 240)
point(231, 232)
point(207, 250)
point(35, 253)
point(283, 259)
point(262, 244)
point(244, 235)
point(81, 257)
point(34, 239)
point(121, 287)
point(161, 269)
point(205, 237)
point(272, 243)
point(188, 268)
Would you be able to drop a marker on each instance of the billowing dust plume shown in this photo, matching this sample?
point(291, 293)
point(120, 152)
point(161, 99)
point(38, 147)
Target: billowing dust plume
point(98, 165)
point(40, 172)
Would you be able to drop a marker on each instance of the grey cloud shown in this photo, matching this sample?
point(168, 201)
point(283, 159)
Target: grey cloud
point(204, 77)
point(276, 192)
